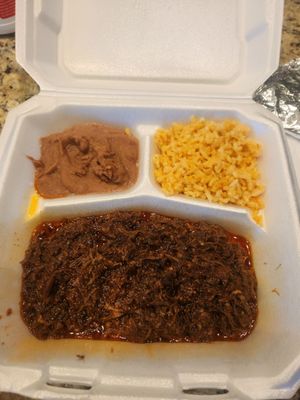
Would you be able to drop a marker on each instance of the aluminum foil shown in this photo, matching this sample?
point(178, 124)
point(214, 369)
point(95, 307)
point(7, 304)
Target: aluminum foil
point(281, 94)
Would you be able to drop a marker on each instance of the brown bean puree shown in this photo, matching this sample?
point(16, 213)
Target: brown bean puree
point(139, 277)
point(86, 158)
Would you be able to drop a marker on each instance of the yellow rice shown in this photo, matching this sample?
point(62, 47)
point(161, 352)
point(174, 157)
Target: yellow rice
point(212, 160)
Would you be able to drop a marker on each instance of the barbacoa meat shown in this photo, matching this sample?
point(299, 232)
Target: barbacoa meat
point(139, 277)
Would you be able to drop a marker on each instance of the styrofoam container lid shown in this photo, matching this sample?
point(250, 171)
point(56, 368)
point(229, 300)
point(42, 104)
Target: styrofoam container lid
point(192, 47)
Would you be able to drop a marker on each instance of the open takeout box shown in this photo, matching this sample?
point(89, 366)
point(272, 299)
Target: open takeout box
point(144, 64)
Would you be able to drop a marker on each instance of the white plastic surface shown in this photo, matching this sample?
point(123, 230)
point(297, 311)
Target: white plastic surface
point(266, 365)
point(191, 47)
point(294, 147)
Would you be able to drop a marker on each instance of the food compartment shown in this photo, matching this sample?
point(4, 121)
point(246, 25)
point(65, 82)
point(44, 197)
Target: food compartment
point(190, 363)
point(27, 143)
point(14, 250)
point(210, 159)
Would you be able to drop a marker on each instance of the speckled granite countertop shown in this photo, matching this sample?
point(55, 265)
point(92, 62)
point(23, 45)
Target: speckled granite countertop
point(17, 86)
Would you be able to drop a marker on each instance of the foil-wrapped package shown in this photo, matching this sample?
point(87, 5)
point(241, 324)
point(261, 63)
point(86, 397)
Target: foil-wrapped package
point(281, 94)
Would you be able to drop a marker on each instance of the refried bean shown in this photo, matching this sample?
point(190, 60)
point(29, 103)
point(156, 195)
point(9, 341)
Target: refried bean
point(86, 158)
point(139, 277)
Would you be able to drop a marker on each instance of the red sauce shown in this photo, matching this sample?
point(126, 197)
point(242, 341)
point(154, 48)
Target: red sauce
point(245, 244)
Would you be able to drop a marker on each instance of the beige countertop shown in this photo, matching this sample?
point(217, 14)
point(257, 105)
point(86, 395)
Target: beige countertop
point(17, 86)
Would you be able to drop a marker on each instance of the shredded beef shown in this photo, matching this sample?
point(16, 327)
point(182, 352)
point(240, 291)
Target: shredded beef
point(140, 277)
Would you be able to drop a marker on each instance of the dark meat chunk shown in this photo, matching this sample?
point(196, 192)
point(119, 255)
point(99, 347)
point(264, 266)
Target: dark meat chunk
point(140, 277)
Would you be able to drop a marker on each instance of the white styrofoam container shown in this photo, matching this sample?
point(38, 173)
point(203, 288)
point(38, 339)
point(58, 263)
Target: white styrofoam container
point(144, 64)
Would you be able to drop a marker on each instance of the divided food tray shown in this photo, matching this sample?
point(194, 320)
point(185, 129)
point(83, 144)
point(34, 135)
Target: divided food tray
point(81, 81)
point(265, 365)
